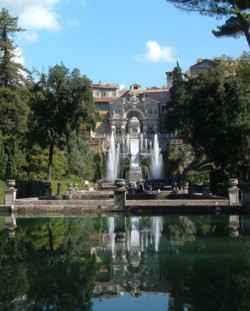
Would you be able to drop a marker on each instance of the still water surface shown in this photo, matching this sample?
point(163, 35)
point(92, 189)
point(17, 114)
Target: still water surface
point(121, 263)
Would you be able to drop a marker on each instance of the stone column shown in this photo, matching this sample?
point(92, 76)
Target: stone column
point(10, 193)
point(69, 190)
point(120, 194)
point(233, 192)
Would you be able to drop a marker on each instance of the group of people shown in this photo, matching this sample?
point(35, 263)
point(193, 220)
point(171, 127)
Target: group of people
point(140, 187)
point(176, 187)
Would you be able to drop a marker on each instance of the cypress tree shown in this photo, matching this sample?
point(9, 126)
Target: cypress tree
point(176, 104)
point(14, 79)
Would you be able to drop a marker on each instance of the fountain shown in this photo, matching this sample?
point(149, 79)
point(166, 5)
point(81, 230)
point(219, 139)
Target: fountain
point(156, 167)
point(135, 172)
point(134, 148)
point(113, 159)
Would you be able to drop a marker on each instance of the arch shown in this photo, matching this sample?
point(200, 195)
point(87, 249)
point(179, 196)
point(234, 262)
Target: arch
point(135, 113)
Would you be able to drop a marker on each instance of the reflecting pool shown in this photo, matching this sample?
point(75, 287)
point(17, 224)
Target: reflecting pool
point(122, 262)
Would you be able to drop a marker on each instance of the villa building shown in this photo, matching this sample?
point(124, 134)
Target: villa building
point(138, 111)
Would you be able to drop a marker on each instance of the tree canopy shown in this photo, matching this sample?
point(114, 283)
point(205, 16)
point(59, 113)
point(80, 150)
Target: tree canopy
point(236, 12)
point(216, 116)
point(177, 97)
point(14, 80)
point(12, 72)
point(62, 102)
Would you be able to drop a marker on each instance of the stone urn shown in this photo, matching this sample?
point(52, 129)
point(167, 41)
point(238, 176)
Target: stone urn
point(120, 183)
point(233, 182)
point(10, 183)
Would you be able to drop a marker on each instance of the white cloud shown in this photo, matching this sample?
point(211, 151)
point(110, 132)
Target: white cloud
point(34, 15)
point(157, 53)
point(36, 18)
point(18, 57)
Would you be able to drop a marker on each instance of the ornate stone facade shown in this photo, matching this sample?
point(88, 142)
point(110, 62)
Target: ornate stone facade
point(134, 116)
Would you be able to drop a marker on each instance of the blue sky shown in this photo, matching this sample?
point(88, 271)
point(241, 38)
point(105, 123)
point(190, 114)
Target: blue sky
point(116, 41)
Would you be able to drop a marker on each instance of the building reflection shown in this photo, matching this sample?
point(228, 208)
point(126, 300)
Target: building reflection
point(156, 255)
point(132, 249)
point(131, 255)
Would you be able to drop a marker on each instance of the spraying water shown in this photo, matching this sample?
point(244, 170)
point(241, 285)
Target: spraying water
point(157, 227)
point(156, 167)
point(134, 147)
point(113, 159)
point(111, 229)
point(135, 152)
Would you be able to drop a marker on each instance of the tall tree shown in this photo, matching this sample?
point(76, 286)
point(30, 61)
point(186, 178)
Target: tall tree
point(62, 101)
point(236, 12)
point(174, 118)
point(13, 89)
point(2, 158)
point(11, 71)
point(81, 158)
point(218, 117)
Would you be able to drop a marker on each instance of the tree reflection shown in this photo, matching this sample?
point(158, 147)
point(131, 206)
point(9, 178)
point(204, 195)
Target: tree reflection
point(210, 276)
point(42, 271)
point(62, 282)
point(63, 263)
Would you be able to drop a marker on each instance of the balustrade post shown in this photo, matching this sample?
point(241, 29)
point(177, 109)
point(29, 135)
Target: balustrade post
point(233, 192)
point(10, 193)
point(120, 194)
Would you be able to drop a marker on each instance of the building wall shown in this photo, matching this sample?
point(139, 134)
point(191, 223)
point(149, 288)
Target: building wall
point(105, 94)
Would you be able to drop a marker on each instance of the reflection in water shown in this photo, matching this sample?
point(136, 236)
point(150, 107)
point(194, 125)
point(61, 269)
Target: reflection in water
point(111, 226)
point(156, 230)
point(10, 224)
point(195, 263)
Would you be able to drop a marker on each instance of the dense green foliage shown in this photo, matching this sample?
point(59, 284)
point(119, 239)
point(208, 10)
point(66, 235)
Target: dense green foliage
point(14, 97)
point(200, 262)
point(42, 116)
point(46, 260)
point(44, 120)
point(2, 189)
point(215, 116)
point(177, 98)
point(198, 172)
point(60, 103)
point(236, 13)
